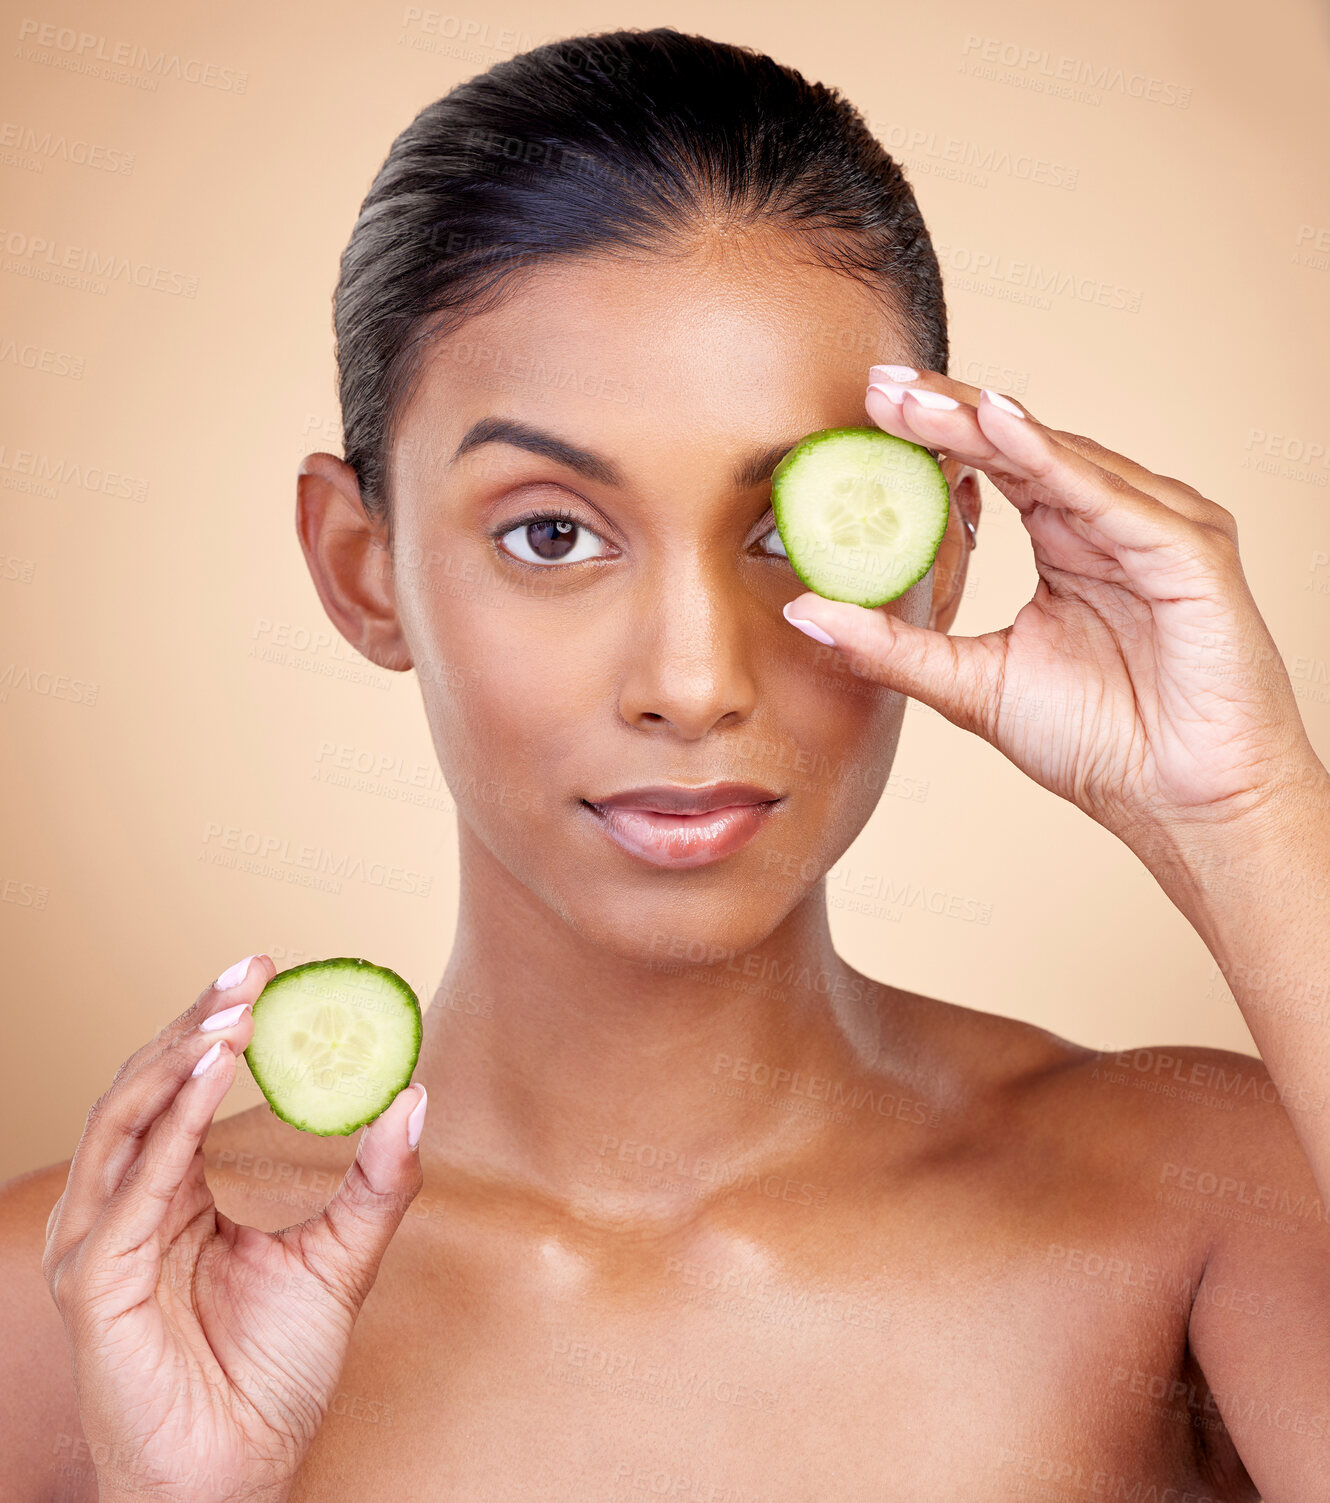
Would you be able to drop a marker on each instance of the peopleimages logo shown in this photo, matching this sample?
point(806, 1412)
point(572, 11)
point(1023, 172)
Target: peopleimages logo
point(43, 145)
point(83, 51)
point(969, 161)
point(36, 357)
point(978, 270)
point(36, 256)
point(24, 469)
point(1059, 72)
point(271, 855)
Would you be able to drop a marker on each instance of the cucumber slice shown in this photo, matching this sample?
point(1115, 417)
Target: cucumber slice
point(861, 513)
point(333, 1043)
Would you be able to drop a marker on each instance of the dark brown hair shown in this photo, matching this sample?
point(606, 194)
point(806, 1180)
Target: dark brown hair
point(622, 142)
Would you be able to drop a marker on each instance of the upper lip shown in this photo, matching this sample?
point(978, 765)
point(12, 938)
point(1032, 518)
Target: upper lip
point(677, 798)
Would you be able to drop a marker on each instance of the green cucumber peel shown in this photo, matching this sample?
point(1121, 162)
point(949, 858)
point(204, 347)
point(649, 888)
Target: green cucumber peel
point(861, 513)
point(334, 1041)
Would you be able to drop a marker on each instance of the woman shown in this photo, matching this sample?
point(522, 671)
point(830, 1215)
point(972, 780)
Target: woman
point(701, 1211)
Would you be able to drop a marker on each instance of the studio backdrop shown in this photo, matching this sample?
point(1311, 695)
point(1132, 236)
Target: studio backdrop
point(1131, 209)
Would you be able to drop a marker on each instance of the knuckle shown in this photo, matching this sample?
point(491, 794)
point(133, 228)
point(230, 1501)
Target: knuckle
point(1223, 519)
point(122, 1073)
point(53, 1219)
point(97, 1110)
point(62, 1279)
point(1224, 540)
point(364, 1195)
point(1183, 485)
point(196, 1010)
point(132, 1175)
point(1078, 441)
point(367, 1207)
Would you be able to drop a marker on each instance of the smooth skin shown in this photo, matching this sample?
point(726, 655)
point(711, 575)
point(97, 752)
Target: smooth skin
point(206, 1352)
point(703, 1212)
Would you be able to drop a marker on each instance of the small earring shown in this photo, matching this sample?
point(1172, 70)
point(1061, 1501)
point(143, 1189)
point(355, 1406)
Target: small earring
point(969, 527)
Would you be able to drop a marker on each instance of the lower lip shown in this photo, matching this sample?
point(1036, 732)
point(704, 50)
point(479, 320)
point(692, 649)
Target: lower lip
point(678, 840)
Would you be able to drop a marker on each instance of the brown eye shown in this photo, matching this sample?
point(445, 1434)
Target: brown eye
point(551, 540)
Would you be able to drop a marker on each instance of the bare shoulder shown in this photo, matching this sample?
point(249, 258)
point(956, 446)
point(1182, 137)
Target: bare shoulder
point(1200, 1140)
point(42, 1440)
point(1203, 1134)
point(1163, 1095)
point(1224, 1139)
point(1214, 1119)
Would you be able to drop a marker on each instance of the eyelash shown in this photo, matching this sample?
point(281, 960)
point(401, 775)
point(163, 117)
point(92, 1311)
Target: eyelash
point(562, 514)
point(547, 514)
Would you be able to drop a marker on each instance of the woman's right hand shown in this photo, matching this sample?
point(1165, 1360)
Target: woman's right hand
point(206, 1353)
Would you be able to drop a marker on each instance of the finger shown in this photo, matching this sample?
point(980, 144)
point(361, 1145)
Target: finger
point(885, 402)
point(959, 677)
point(1033, 469)
point(143, 1088)
point(1183, 498)
point(139, 1205)
point(345, 1243)
point(895, 375)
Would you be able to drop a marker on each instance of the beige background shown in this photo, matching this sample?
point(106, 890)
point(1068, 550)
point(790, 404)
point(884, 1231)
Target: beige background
point(167, 673)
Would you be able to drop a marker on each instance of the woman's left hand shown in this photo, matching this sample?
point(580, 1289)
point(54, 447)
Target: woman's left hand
point(1140, 682)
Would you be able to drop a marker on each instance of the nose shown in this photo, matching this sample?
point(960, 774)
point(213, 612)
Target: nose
point(688, 647)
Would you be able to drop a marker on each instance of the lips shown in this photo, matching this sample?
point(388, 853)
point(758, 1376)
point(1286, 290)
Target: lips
point(670, 825)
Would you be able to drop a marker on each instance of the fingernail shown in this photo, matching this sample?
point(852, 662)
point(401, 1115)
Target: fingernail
point(210, 1058)
point(998, 400)
point(894, 372)
point(928, 398)
point(809, 628)
point(223, 1019)
point(233, 975)
point(892, 393)
point(417, 1118)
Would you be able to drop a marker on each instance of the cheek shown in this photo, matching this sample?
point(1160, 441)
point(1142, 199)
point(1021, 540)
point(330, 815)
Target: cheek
point(837, 711)
point(507, 708)
point(834, 743)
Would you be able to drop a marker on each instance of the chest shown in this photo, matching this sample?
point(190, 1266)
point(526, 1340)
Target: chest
point(931, 1366)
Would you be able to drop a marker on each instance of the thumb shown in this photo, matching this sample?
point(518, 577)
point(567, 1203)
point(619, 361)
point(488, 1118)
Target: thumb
point(345, 1244)
point(959, 677)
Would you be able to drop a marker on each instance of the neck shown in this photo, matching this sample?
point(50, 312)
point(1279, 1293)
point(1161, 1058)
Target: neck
point(623, 1087)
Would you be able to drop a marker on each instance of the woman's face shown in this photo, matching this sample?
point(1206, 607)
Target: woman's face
point(643, 644)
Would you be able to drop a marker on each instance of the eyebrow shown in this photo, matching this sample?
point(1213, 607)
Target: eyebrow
point(492, 430)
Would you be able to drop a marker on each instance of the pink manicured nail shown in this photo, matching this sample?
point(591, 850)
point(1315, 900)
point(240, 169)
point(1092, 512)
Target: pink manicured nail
point(210, 1058)
point(998, 400)
point(223, 1019)
point(809, 628)
point(416, 1120)
point(892, 393)
point(928, 398)
point(894, 372)
point(233, 975)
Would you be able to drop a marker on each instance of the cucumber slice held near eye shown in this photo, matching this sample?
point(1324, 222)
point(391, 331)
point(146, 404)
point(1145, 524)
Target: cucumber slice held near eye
point(861, 513)
point(333, 1043)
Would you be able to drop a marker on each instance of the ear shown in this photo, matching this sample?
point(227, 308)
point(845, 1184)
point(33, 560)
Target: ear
point(953, 555)
point(349, 559)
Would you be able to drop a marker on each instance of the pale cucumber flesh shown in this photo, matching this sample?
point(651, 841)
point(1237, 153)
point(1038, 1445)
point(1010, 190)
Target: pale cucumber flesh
point(334, 1041)
point(861, 513)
